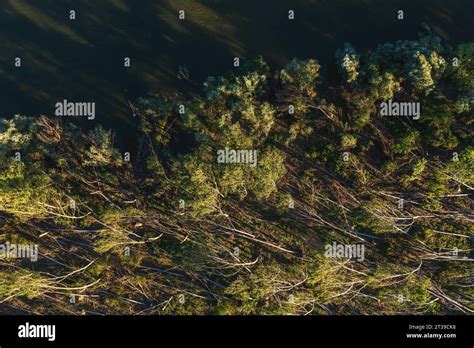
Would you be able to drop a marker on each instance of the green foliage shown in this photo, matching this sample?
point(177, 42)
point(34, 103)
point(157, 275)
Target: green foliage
point(301, 75)
point(418, 62)
point(439, 121)
point(348, 141)
point(270, 169)
point(382, 86)
point(407, 143)
point(457, 171)
point(158, 111)
point(20, 283)
point(444, 241)
point(113, 236)
point(417, 169)
point(463, 76)
point(348, 63)
point(200, 193)
point(15, 134)
point(368, 218)
point(408, 294)
point(101, 151)
point(25, 189)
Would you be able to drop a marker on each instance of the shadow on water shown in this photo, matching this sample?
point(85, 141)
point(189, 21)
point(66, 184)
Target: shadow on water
point(82, 59)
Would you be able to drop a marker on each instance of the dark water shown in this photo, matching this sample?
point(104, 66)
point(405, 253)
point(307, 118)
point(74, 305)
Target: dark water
point(82, 59)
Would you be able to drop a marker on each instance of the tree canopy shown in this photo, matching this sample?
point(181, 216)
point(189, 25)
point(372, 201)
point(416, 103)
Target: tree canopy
point(308, 161)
